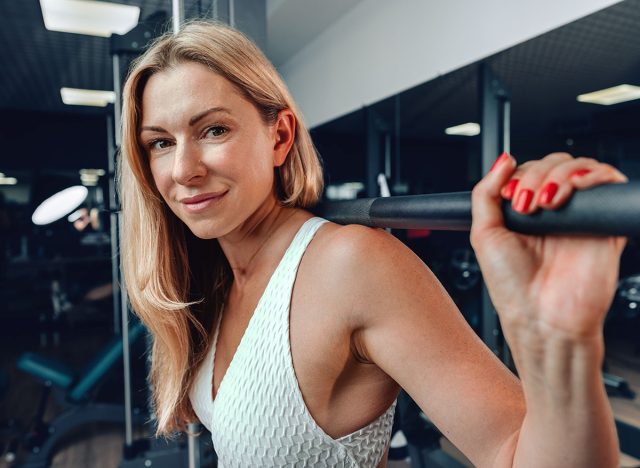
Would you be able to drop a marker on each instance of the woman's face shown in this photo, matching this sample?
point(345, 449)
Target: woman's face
point(210, 153)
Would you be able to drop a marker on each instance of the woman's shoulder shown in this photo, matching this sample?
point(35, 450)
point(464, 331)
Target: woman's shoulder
point(361, 264)
point(355, 246)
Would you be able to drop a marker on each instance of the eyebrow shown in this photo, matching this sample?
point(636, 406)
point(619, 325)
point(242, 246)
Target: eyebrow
point(193, 120)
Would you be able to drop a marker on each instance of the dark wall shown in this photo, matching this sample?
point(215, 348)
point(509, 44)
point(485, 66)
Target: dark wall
point(46, 141)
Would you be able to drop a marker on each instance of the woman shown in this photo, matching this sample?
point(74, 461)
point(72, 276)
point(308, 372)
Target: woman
point(217, 171)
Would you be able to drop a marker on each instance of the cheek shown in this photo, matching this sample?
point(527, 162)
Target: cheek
point(249, 164)
point(161, 178)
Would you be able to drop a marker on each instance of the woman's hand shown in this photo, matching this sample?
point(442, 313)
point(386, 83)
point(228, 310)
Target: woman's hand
point(553, 283)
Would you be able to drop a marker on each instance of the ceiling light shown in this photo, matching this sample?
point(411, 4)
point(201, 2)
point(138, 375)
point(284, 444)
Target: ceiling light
point(467, 129)
point(606, 97)
point(87, 97)
point(89, 17)
point(8, 180)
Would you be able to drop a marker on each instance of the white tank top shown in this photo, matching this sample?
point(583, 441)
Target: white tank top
point(259, 418)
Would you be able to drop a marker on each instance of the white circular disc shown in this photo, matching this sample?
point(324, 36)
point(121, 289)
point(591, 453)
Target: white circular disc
point(59, 205)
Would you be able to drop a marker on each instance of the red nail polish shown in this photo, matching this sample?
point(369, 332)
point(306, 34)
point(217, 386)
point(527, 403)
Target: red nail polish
point(510, 188)
point(580, 173)
point(548, 192)
point(524, 200)
point(500, 159)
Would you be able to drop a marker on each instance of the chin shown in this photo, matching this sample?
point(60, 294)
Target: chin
point(206, 230)
point(206, 234)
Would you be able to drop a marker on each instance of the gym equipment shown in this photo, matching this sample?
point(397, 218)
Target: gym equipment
point(627, 299)
point(59, 205)
point(464, 268)
point(77, 389)
point(611, 209)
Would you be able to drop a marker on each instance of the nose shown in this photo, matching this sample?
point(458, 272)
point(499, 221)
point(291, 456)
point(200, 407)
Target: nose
point(188, 167)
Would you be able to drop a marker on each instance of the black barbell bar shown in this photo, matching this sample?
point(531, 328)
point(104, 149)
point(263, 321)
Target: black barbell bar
point(612, 209)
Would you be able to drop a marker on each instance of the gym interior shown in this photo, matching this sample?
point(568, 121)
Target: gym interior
point(401, 98)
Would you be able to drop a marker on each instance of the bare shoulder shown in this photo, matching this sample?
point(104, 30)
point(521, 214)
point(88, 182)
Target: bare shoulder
point(355, 246)
point(369, 268)
point(354, 249)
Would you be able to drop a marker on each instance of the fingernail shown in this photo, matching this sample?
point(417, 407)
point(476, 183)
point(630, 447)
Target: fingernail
point(510, 188)
point(580, 172)
point(548, 192)
point(523, 201)
point(503, 157)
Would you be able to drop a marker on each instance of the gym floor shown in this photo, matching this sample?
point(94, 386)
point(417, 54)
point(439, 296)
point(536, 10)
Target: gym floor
point(100, 446)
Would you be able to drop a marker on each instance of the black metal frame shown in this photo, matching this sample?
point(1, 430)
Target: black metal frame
point(494, 137)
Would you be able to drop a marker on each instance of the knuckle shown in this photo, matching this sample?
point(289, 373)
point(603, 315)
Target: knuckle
point(558, 156)
point(526, 165)
point(583, 160)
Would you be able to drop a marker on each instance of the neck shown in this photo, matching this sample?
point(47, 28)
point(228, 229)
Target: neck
point(247, 247)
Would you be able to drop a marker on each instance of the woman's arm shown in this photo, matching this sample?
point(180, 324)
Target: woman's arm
point(551, 294)
point(406, 324)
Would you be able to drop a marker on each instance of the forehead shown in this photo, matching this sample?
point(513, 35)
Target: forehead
point(186, 89)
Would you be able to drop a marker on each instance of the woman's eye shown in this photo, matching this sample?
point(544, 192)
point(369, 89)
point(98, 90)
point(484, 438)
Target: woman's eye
point(158, 144)
point(216, 131)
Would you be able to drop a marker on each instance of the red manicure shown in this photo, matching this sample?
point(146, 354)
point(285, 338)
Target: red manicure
point(510, 188)
point(548, 192)
point(524, 200)
point(504, 156)
point(580, 172)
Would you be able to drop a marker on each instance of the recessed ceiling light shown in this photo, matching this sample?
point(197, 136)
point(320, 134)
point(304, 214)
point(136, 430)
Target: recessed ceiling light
point(467, 129)
point(89, 17)
point(87, 97)
point(8, 180)
point(606, 97)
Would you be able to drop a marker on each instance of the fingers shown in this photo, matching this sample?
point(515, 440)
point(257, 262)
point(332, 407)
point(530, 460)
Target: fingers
point(486, 209)
point(549, 182)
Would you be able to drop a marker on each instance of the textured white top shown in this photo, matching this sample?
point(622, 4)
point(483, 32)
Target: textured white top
point(259, 418)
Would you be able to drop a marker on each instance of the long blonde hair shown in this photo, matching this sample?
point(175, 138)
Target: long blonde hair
point(176, 282)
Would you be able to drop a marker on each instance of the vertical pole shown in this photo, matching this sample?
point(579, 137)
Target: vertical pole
point(232, 13)
point(387, 156)
point(373, 152)
point(193, 448)
point(126, 361)
point(117, 77)
point(116, 230)
point(113, 223)
point(397, 161)
point(494, 140)
point(506, 125)
point(178, 15)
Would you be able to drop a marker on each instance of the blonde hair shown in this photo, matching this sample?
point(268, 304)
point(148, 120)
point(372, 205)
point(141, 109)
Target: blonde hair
point(176, 282)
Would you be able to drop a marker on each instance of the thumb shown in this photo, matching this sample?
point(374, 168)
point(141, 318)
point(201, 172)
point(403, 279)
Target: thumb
point(486, 201)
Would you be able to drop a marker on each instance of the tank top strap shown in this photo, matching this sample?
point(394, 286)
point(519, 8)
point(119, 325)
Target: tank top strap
point(293, 256)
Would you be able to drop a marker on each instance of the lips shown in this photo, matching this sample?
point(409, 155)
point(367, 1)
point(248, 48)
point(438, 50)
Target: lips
point(202, 197)
point(203, 201)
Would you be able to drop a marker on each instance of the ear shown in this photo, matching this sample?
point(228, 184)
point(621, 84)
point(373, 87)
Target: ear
point(284, 136)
